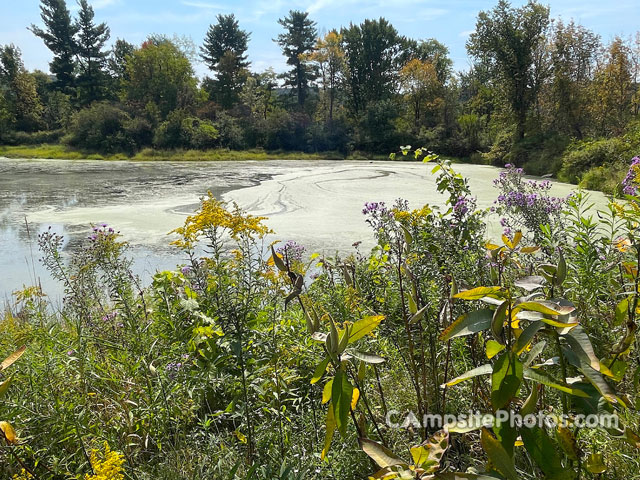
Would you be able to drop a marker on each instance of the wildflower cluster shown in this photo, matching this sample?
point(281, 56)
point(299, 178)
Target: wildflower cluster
point(23, 475)
point(214, 219)
point(106, 465)
point(630, 182)
point(292, 251)
point(526, 204)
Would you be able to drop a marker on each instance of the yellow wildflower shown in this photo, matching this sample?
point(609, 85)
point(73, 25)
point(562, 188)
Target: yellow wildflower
point(106, 465)
point(214, 219)
point(23, 475)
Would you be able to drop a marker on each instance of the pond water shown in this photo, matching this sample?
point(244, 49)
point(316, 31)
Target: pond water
point(316, 203)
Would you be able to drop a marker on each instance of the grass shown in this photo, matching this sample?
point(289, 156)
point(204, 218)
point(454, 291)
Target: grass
point(62, 152)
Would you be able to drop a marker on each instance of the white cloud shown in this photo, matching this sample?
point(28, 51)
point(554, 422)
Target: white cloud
point(203, 5)
point(466, 33)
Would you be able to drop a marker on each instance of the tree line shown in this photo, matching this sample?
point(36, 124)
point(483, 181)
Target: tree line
point(536, 86)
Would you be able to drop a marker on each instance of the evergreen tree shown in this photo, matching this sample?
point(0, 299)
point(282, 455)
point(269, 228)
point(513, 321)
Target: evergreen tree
point(58, 35)
point(298, 40)
point(224, 52)
point(91, 39)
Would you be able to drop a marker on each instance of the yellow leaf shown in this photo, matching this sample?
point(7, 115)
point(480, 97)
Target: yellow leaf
point(9, 432)
point(354, 398)
point(326, 392)
point(11, 359)
point(240, 436)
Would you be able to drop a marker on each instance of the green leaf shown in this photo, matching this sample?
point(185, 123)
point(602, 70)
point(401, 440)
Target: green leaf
point(366, 357)
point(326, 391)
point(380, 454)
point(277, 260)
point(498, 457)
point(561, 274)
point(527, 335)
point(364, 326)
point(479, 292)
point(416, 317)
point(319, 371)
point(530, 404)
point(622, 310)
point(476, 372)
point(535, 351)
point(540, 377)
point(543, 452)
point(545, 307)
point(499, 317)
point(331, 428)
point(580, 344)
point(505, 380)
point(429, 454)
point(493, 348)
point(468, 324)
point(341, 393)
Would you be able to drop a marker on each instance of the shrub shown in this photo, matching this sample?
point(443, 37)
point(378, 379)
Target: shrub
point(183, 131)
point(102, 128)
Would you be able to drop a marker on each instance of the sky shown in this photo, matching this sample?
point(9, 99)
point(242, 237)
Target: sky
point(448, 21)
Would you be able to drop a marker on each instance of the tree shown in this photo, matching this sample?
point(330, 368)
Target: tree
point(329, 57)
point(18, 88)
point(159, 75)
point(91, 39)
point(224, 52)
point(117, 63)
point(507, 38)
point(573, 54)
point(373, 57)
point(419, 80)
point(434, 52)
point(298, 40)
point(613, 89)
point(58, 36)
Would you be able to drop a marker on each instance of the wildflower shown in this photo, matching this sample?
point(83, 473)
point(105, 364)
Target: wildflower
point(23, 475)
point(106, 465)
point(186, 270)
point(292, 250)
point(214, 218)
point(630, 182)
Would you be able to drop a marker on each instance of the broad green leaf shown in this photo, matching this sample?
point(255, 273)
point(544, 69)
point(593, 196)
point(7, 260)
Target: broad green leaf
point(364, 326)
point(499, 317)
point(326, 391)
point(561, 274)
point(366, 357)
point(341, 394)
point(527, 336)
point(331, 428)
point(479, 292)
point(545, 307)
point(498, 457)
point(622, 310)
point(380, 454)
point(530, 283)
point(482, 370)
point(506, 435)
point(543, 452)
point(319, 371)
point(580, 344)
point(493, 348)
point(277, 260)
point(468, 324)
point(540, 377)
point(505, 380)
point(416, 317)
point(535, 351)
point(530, 404)
point(413, 306)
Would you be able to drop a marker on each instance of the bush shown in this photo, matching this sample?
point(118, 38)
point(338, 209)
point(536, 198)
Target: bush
point(33, 138)
point(183, 131)
point(101, 127)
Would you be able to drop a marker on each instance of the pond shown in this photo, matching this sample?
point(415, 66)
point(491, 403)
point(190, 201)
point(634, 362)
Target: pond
point(316, 203)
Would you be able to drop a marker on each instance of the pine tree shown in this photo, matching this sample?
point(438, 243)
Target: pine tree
point(91, 39)
point(297, 41)
point(58, 36)
point(224, 52)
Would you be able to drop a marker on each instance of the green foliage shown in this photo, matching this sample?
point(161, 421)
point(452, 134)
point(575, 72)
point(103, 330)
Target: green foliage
point(183, 131)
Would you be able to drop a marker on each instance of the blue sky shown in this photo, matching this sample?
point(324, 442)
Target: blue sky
point(448, 21)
